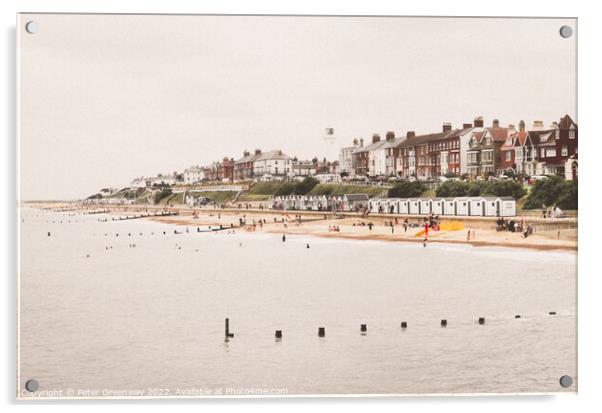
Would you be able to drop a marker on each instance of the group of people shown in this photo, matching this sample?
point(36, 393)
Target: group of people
point(334, 228)
point(511, 225)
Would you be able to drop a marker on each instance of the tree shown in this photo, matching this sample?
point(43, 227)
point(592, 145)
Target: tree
point(286, 188)
point(450, 175)
point(553, 191)
point(303, 187)
point(407, 189)
point(164, 193)
point(452, 189)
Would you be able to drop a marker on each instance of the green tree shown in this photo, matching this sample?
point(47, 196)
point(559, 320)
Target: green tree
point(286, 188)
point(407, 189)
point(306, 185)
point(553, 191)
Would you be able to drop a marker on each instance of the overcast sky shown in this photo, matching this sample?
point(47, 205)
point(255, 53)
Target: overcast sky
point(106, 98)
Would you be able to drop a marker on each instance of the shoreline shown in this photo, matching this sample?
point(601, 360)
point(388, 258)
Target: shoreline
point(352, 226)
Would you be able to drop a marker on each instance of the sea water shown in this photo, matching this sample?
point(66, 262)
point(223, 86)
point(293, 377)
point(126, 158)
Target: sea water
point(100, 316)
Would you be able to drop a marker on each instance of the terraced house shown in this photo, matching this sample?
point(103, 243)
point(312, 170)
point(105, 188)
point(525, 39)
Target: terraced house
point(484, 150)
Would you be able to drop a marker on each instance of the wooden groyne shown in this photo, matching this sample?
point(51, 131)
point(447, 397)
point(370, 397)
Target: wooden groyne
point(155, 214)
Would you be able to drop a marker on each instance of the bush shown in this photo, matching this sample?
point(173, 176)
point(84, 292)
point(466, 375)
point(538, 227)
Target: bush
point(452, 189)
point(407, 189)
point(286, 188)
point(161, 195)
point(553, 191)
point(306, 185)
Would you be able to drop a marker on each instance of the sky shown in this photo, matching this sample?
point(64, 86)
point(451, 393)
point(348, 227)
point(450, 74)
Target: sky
point(106, 98)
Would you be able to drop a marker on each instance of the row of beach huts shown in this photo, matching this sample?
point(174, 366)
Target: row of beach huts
point(459, 206)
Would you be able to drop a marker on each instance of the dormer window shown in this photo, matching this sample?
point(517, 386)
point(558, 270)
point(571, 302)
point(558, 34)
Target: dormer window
point(571, 134)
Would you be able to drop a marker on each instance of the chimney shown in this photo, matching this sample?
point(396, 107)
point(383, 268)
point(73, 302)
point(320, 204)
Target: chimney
point(554, 125)
point(537, 124)
point(496, 123)
point(361, 142)
point(355, 142)
point(246, 153)
point(478, 122)
point(257, 151)
point(375, 137)
point(447, 127)
point(466, 125)
point(390, 136)
point(521, 126)
point(410, 134)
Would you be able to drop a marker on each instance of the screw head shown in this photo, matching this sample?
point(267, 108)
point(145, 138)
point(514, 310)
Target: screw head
point(31, 27)
point(566, 31)
point(566, 381)
point(32, 385)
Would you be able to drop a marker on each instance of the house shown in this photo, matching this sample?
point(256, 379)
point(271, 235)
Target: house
point(275, 164)
point(193, 175)
point(364, 156)
point(524, 152)
point(554, 145)
point(571, 168)
point(508, 158)
point(303, 168)
point(243, 168)
point(346, 164)
point(225, 170)
point(484, 150)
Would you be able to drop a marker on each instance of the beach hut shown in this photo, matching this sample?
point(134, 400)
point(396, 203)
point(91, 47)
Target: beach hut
point(493, 207)
point(426, 206)
point(462, 206)
point(414, 206)
point(477, 207)
point(357, 201)
point(438, 205)
point(403, 206)
point(449, 206)
point(508, 206)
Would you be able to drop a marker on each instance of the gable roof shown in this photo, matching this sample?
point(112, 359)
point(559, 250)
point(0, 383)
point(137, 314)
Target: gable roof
point(248, 158)
point(371, 147)
point(566, 122)
point(275, 154)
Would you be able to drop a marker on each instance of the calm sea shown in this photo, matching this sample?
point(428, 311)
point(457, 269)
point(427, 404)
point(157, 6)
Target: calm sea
point(98, 314)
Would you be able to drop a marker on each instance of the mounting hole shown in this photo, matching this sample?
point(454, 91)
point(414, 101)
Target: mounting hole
point(566, 31)
point(566, 381)
point(31, 27)
point(32, 385)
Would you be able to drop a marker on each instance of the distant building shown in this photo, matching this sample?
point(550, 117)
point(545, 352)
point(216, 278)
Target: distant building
point(346, 164)
point(243, 168)
point(193, 175)
point(303, 168)
point(275, 163)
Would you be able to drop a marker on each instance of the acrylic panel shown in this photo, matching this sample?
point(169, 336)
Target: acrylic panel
point(296, 205)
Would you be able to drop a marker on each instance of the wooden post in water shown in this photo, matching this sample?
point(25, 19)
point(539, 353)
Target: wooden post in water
point(363, 328)
point(481, 320)
point(278, 334)
point(443, 323)
point(228, 333)
point(404, 324)
point(321, 332)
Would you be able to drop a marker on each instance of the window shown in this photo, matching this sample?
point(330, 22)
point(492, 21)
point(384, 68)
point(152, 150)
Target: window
point(557, 134)
point(550, 152)
point(565, 151)
point(542, 153)
point(508, 156)
point(571, 134)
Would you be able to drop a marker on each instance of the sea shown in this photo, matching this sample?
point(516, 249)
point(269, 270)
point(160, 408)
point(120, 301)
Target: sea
point(133, 309)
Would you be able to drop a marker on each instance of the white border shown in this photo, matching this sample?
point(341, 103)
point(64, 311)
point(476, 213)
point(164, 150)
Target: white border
point(589, 278)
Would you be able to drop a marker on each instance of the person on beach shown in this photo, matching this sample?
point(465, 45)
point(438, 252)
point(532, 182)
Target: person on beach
point(406, 223)
point(392, 229)
point(468, 236)
point(370, 225)
point(283, 237)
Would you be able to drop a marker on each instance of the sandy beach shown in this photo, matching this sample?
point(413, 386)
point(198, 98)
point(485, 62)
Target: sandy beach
point(550, 234)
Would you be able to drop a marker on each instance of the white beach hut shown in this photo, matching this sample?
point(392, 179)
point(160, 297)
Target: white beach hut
point(462, 206)
point(508, 206)
point(426, 206)
point(449, 206)
point(414, 206)
point(403, 206)
point(477, 207)
point(493, 207)
point(438, 205)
